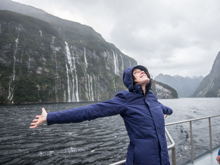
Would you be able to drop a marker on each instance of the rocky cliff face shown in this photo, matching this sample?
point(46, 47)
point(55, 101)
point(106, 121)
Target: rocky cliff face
point(163, 91)
point(210, 86)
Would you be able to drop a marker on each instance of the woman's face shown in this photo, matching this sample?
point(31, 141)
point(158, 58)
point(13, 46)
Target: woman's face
point(140, 77)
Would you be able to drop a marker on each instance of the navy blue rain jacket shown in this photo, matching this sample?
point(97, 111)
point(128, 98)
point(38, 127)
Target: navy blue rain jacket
point(143, 117)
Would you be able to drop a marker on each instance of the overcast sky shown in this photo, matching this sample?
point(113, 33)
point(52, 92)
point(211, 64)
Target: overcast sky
point(174, 37)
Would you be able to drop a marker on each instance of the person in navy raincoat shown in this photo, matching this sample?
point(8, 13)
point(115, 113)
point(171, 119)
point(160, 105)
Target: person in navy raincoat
point(142, 113)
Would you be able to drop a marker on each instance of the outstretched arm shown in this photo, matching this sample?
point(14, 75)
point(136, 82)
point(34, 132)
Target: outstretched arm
point(114, 106)
point(39, 119)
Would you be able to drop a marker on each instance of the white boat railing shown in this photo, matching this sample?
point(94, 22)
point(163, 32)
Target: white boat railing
point(191, 131)
point(172, 145)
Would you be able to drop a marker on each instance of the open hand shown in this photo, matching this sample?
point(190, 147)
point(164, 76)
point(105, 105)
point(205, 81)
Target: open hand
point(39, 119)
point(218, 159)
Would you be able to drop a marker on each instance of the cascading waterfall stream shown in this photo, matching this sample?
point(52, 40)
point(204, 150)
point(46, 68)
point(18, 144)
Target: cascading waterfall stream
point(68, 84)
point(76, 79)
point(40, 33)
point(70, 79)
point(116, 63)
point(11, 89)
point(16, 45)
point(90, 88)
point(77, 90)
point(86, 63)
point(73, 94)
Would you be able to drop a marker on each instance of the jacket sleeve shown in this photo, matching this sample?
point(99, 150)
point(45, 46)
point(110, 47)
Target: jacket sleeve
point(166, 110)
point(115, 106)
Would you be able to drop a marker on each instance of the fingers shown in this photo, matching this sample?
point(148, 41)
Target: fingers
point(34, 122)
point(35, 125)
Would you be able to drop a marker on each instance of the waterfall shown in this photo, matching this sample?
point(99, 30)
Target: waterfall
point(129, 63)
point(40, 33)
point(68, 83)
point(116, 63)
point(90, 88)
point(114, 85)
point(76, 79)
point(69, 62)
point(11, 89)
point(77, 90)
point(16, 45)
point(72, 81)
point(85, 58)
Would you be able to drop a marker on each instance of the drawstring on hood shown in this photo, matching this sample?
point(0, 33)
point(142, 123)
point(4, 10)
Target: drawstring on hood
point(128, 78)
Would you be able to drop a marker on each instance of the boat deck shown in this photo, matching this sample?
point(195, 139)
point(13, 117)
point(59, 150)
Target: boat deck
point(207, 159)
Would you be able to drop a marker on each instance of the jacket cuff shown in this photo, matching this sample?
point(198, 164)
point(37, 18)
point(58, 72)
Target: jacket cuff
point(49, 119)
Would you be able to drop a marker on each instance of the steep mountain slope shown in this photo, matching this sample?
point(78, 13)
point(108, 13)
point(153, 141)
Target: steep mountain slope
point(38, 65)
point(210, 86)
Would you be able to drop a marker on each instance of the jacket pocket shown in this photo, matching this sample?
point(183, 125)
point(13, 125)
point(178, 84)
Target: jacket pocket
point(145, 153)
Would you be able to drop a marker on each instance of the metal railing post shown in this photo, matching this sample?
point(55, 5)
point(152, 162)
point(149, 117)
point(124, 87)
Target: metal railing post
point(191, 138)
point(174, 156)
point(210, 134)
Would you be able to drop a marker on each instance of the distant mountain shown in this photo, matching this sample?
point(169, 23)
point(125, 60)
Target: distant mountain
point(185, 86)
point(210, 85)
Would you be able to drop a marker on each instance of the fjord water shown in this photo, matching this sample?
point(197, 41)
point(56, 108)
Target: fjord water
point(100, 141)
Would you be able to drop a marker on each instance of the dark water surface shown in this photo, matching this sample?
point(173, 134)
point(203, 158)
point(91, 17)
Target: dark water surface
point(99, 142)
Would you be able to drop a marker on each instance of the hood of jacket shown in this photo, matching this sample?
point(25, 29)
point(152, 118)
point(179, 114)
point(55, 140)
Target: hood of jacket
point(128, 79)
